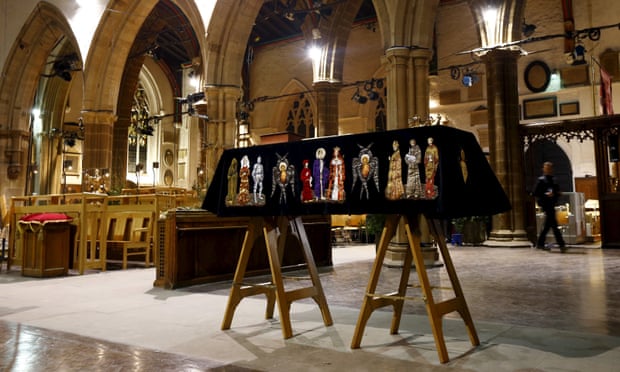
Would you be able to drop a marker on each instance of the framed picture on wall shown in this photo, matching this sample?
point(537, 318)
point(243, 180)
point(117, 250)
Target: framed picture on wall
point(540, 107)
point(569, 108)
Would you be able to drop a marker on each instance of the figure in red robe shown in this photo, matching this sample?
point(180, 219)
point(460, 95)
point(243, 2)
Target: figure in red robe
point(307, 195)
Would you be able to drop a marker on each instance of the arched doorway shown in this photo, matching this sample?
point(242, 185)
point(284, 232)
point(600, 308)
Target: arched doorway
point(545, 150)
point(536, 154)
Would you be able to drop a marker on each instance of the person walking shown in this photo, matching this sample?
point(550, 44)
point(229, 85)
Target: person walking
point(547, 192)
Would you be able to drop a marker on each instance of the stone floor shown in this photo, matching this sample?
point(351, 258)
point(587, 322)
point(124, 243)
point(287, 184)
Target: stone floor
point(534, 310)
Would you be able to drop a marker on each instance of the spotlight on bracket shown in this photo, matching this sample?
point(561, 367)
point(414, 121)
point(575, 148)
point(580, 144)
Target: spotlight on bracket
point(469, 79)
point(359, 98)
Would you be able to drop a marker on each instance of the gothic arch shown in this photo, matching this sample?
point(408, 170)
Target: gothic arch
point(32, 75)
point(406, 23)
point(294, 92)
point(45, 28)
point(226, 40)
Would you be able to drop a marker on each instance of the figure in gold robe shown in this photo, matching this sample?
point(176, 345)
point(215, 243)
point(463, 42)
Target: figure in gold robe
point(335, 187)
point(232, 177)
point(431, 163)
point(395, 189)
point(413, 159)
point(244, 181)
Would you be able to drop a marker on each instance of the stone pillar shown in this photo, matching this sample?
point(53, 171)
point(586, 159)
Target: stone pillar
point(98, 134)
point(420, 59)
point(221, 130)
point(408, 94)
point(505, 145)
point(397, 67)
point(327, 108)
point(118, 172)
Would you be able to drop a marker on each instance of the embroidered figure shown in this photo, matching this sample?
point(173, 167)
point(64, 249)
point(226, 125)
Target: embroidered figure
point(431, 163)
point(463, 164)
point(307, 195)
point(365, 167)
point(232, 177)
point(258, 175)
point(395, 189)
point(243, 197)
point(283, 175)
point(320, 174)
point(335, 187)
point(413, 159)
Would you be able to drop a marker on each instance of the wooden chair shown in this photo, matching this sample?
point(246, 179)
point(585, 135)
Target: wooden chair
point(90, 242)
point(130, 233)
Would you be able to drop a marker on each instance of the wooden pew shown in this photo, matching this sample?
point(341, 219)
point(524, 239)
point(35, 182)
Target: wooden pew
point(130, 232)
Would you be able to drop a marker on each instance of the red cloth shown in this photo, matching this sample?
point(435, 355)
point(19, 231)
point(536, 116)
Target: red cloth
point(43, 218)
point(607, 106)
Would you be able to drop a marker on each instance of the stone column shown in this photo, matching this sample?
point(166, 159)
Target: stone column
point(505, 145)
point(397, 68)
point(118, 172)
point(221, 129)
point(327, 108)
point(408, 95)
point(420, 59)
point(98, 134)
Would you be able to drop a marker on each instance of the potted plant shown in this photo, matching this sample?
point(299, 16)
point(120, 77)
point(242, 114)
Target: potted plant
point(374, 226)
point(469, 230)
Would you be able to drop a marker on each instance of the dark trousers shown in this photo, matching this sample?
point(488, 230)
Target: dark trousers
point(550, 223)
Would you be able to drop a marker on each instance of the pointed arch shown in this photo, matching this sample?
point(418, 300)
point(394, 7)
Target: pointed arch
point(296, 111)
point(44, 30)
point(226, 40)
point(32, 75)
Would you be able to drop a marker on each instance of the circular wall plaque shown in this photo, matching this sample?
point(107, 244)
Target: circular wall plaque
point(537, 76)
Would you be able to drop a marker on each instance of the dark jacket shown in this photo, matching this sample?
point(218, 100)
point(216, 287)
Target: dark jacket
point(547, 183)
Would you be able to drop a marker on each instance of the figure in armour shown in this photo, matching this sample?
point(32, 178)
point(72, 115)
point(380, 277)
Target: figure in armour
point(258, 175)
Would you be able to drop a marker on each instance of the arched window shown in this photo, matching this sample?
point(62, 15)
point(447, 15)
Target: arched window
point(380, 119)
point(300, 119)
point(139, 130)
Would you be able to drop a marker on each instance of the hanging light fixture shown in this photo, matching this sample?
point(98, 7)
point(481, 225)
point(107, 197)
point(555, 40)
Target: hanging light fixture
point(357, 97)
